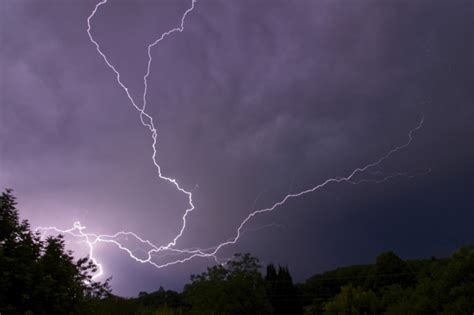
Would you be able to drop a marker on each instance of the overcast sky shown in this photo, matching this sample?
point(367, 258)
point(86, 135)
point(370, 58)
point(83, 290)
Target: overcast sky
point(254, 100)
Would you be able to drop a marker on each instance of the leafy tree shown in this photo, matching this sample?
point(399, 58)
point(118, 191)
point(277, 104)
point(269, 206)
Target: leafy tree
point(320, 288)
point(237, 288)
point(353, 300)
point(446, 287)
point(390, 269)
point(40, 276)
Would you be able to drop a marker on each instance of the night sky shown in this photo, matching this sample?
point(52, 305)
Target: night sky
point(254, 100)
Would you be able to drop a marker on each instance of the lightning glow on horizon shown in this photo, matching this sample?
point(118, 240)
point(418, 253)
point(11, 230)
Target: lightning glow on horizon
point(153, 252)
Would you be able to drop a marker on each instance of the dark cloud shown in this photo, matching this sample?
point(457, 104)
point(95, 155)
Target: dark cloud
point(253, 100)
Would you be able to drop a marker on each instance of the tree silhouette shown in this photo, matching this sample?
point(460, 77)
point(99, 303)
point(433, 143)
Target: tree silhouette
point(40, 276)
point(283, 295)
point(237, 288)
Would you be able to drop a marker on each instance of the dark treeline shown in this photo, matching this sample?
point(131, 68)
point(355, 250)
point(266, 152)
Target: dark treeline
point(40, 277)
point(389, 286)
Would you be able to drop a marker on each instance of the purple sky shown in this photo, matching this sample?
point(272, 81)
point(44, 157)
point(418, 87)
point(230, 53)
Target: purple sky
point(255, 99)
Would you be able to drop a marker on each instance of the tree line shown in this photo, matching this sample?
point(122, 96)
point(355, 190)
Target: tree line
point(41, 277)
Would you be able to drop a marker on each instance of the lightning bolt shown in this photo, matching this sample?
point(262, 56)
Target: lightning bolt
point(145, 118)
point(154, 253)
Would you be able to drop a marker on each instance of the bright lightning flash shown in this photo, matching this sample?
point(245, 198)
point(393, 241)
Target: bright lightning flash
point(153, 253)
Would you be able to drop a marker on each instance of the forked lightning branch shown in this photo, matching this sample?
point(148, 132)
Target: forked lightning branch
point(154, 253)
